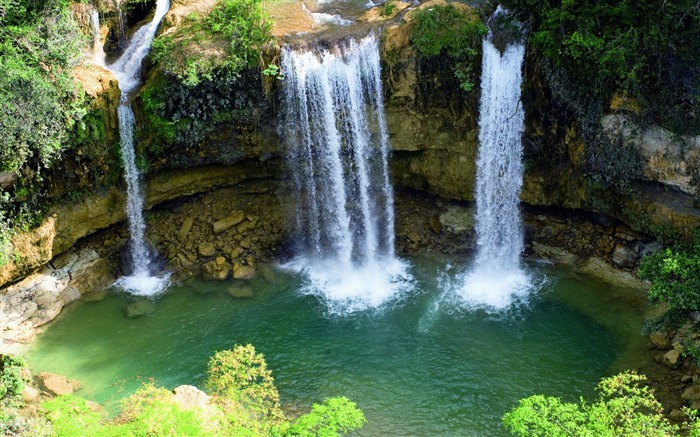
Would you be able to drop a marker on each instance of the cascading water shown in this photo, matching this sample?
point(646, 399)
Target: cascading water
point(338, 151)
point(496, 278)
point(98, 53)
point(127, 69)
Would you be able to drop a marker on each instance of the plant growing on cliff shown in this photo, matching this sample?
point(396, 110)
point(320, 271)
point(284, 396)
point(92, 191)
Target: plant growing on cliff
point(227, 40)
point(623, 407)
point(648, 51)
point(674, 274)
point(40, 43)
point(452, 31)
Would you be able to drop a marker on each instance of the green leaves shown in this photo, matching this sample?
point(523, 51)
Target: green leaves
point(449, 31)
point(624, 407)
point(227, 40)
point(333, 416)
point(674, 274)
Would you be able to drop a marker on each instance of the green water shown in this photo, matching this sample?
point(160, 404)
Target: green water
point(422, 366)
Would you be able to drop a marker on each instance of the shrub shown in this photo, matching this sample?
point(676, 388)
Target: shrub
point(674, 274)
point(645, 50)
point(193, 53)
point(245, 402)
point(623, 407)
point(11, 384)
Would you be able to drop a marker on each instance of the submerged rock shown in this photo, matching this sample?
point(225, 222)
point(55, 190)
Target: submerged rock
point(56, 385)
point(140, 308)
point(240, 292)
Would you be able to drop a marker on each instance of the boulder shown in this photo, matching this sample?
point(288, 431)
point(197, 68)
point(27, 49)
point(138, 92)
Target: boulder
point(671, 359)
point(189, 397)
point(240, 292)
point(217, 269)
point(241, 271)
point(56, 385)
point(184, 229)
point(660, 340)
point(692, 393)
point(206, 249)
point(226, 222)
point(623, 256)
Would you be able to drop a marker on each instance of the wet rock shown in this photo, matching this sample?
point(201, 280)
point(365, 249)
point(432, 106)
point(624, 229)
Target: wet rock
point(413, 236)
point(671, 359)
point(217, 269)
point(236, 252)
point(206, 249)
point(692, 393)
point(240, 292)
point(241, 271)
point(226, 222)
point(56, 385)
point(140, 308)
point(185, 229)
point(246, 243)
point(435, 224)
point(660, 340)
point(623, 256)
point(95, 296)
point(245, 227)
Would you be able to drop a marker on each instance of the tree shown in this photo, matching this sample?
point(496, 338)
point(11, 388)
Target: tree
point(623, 407)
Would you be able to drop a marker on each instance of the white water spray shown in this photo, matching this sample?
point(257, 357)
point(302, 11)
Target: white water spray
point(127, 69)
point(338, 152)
point(496, 279)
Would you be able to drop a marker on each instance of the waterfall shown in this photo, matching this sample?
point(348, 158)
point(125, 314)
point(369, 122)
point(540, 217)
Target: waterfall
point(98, 53)
point(496, 278)
point(127, 69)
point(338, 150)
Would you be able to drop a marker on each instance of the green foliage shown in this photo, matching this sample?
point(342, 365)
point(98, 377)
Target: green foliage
point(40, 43)
point(388, 9)
point(646, 50)
point(240, 375)
point(11, 384)
point(623, 407)
point(334, 416)
point(70, 416)
point(152, 411)
point(451, 32)
point(244, 402)
point(182, 116)
point(227, 41)
point(674, 274)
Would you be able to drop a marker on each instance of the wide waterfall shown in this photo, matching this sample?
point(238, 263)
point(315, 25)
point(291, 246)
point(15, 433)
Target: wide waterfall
point(496, 278)
point(127, 69)
point(338, 148)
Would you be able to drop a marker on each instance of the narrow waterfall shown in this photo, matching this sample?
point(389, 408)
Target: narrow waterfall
point(338, 150)
point(98, 53)
point(496, 278)
point(127, 69)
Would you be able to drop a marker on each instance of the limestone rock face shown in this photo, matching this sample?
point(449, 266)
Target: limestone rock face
point(667, 158)
point(39, 298)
